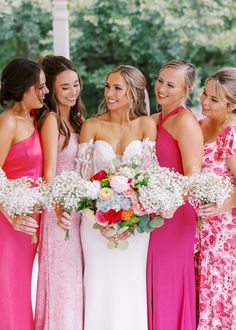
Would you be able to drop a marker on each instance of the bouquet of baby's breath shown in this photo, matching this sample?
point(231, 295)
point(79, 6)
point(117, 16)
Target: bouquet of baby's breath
point(22, 198)
point(164, 192)
point(208, 187)
point(67, 189)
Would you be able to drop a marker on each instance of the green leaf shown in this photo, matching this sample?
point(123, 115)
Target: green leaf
point(139, 229)
point(111, 245)
point(122, 230)
point(110, 233)
point(97, 226)
point(144, 221)
point(82, 204)
point(156, 222)
point(122, 245)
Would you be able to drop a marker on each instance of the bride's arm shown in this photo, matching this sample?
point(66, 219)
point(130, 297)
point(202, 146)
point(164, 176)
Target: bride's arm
point(86, 147)
point(149, 141)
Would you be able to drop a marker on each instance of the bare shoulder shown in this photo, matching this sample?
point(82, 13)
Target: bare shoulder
point(50, 119)
point(148, 126)
point(186, 119)
point(88, 130)
point(8, 122)
point(155, 117)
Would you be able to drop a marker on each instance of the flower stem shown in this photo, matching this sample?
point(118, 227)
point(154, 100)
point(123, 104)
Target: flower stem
point(67, 235)
point(34, 238)
point(199, 222)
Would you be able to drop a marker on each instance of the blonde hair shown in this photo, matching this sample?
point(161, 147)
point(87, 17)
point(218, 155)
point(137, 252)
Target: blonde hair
point(225, 84)
point(189, 72)
point(136, 90)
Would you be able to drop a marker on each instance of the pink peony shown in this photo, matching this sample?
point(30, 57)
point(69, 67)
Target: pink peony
point(119, 183)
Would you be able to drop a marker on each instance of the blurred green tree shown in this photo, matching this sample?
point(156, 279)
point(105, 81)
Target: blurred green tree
point(143, 33)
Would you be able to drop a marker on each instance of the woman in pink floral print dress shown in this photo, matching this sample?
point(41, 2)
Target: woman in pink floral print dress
point(59, 303)
point(217, 236)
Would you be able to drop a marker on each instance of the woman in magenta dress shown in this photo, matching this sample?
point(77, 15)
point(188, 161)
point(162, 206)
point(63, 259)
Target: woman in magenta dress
point(59, 303)
point(22, 89)
point(217, 235)
point(170, 269)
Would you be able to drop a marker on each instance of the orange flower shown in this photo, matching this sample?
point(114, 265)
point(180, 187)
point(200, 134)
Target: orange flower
point(126, 215)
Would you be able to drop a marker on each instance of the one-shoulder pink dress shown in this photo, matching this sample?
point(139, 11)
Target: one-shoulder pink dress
point(16, 249)
point(170, 269)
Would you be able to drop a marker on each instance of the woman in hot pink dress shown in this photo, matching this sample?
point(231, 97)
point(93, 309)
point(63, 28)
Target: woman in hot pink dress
point(22, 89)
point(170, 270)
point(59, 304)
point(217, 236)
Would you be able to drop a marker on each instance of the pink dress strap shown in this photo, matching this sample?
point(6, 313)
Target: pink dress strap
point(173, 112)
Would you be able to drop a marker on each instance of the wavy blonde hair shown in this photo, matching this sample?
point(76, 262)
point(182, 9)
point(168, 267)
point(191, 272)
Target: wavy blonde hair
point(136, 90)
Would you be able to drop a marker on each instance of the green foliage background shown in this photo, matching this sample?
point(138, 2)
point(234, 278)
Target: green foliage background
point(143, 33)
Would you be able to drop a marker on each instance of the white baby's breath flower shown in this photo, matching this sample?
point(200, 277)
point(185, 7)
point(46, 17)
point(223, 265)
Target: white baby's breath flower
point(165, 190)
point(208, 187)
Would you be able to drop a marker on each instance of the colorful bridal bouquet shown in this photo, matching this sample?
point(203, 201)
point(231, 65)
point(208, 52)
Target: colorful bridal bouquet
point(66, 191)
point(208, 187)
point(22, 198)
point(128, 200)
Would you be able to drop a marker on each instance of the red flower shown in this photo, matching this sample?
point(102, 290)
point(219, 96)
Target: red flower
point(99, 176)
point(109, 217)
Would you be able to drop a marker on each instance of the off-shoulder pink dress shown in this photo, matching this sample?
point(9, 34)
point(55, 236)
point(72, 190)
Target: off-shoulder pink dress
point(16, 249)
point(59, 303)
point(170, 269)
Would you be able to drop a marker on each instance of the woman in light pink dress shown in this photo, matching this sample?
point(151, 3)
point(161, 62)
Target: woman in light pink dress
point(22, 89)
point(59, 303)
point(170, 271)
point(217, 235)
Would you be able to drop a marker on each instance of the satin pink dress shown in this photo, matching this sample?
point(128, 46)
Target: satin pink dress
point(59, 303)
point(170, 268)
point(16, 249)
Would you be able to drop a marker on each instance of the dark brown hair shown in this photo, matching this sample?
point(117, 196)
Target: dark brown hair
point(16, 78)
point(52, 66)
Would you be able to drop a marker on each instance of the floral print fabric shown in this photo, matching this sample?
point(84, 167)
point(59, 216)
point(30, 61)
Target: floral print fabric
point(216, 261)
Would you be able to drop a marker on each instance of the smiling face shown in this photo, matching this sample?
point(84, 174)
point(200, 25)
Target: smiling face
point(34, 96)
point(170, 88)
point(214, 106)
point(67, 88)
point(115, 92)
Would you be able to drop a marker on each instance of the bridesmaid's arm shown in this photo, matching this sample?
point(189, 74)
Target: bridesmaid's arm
point(49, 138)
point(189, 136)
point(210, 210)
point(25, 224)
point(7, 135)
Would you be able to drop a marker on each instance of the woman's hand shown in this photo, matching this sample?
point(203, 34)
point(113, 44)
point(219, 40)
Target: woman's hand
point(26, 224)
point(115, 238)
point(63, 219)
point(211, 210)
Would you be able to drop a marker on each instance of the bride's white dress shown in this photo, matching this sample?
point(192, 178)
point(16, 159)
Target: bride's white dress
point(114, 280)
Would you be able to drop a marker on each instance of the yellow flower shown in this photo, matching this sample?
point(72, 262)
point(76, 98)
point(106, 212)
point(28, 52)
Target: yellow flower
point(105, 194)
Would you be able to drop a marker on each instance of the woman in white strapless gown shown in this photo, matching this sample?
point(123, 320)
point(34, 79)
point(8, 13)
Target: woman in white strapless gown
point(115, 280)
